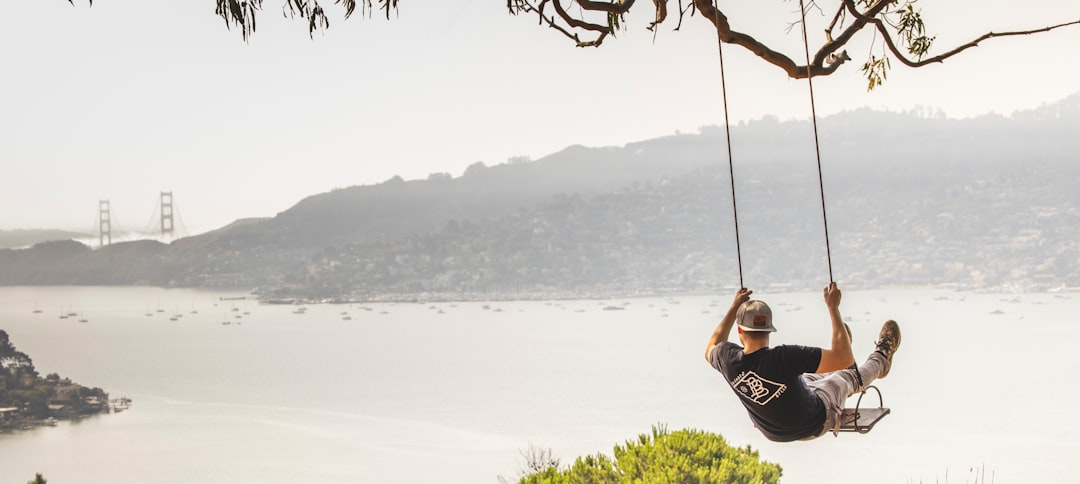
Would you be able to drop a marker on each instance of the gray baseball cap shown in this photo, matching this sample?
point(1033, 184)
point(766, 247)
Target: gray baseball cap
point(755, 315)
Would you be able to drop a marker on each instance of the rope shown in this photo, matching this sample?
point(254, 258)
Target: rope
point(858, 376)
point(727, 132)
point(817, 145)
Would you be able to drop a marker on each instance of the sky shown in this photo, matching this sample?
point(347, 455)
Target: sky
point(129, 98)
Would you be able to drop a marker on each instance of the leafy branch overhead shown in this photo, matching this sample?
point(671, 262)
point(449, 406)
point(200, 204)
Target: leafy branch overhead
point(897, 24)
point(241, 13)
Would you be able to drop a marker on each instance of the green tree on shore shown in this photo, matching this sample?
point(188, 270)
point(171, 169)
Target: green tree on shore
point(17, 362)
point(681, 456)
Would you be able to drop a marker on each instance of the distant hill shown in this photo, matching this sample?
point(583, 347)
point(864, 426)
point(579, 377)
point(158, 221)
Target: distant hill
point(987, 202)
point(10, 239)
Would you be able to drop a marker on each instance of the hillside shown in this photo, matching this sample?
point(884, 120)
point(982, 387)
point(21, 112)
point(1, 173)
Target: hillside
point(982, 203)
point(13, 239)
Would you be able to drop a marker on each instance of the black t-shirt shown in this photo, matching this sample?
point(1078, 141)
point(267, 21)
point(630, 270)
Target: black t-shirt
point(768, 383)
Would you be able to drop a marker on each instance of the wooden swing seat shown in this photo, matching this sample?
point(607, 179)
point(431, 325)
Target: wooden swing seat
point(862, 420)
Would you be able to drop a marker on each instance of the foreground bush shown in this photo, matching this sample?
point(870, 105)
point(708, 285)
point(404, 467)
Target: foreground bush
point(683, 456)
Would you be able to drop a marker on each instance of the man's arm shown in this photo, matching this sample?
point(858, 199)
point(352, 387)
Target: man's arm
point(838, 356)
point(723, 330)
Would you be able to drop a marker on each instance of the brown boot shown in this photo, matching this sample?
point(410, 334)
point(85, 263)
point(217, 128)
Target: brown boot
point(887, 343)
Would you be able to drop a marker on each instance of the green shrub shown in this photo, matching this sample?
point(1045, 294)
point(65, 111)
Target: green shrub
point(683, 456)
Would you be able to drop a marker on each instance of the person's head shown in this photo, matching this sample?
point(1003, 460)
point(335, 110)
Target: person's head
point(754, 319)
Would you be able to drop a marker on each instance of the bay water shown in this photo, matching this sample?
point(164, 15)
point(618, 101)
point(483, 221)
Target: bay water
point(983, 385)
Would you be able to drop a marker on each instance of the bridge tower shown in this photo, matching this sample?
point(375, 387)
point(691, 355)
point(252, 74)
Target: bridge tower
point(104, 223)
point(166, 215)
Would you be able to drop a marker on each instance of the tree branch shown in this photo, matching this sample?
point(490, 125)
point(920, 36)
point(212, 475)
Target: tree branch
point(861, 20)
point(836, 20)
point(575, 23)
point(617, 7)
point(941, 57)
point(729, 36)
point(826, 60)
point(661, 14)
point(518, 6)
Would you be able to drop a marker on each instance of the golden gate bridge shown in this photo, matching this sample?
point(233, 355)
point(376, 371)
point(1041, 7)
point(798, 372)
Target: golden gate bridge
point(162, 225)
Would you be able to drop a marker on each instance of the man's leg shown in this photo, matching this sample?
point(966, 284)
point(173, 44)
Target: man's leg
point(835, 388)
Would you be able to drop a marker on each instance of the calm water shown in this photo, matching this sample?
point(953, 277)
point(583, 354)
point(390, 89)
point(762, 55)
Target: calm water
point(452, 392)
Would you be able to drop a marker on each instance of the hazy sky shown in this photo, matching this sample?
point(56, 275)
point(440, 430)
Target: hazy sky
point(132, 97)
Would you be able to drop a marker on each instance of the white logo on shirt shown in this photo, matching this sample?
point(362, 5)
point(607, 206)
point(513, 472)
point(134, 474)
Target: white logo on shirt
point(756, 388)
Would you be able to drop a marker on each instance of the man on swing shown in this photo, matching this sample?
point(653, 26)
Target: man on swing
point(794, 392)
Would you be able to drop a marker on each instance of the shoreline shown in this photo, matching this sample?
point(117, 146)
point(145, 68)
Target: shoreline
point(441, 297)
point(25, 424)
point(19, 423)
